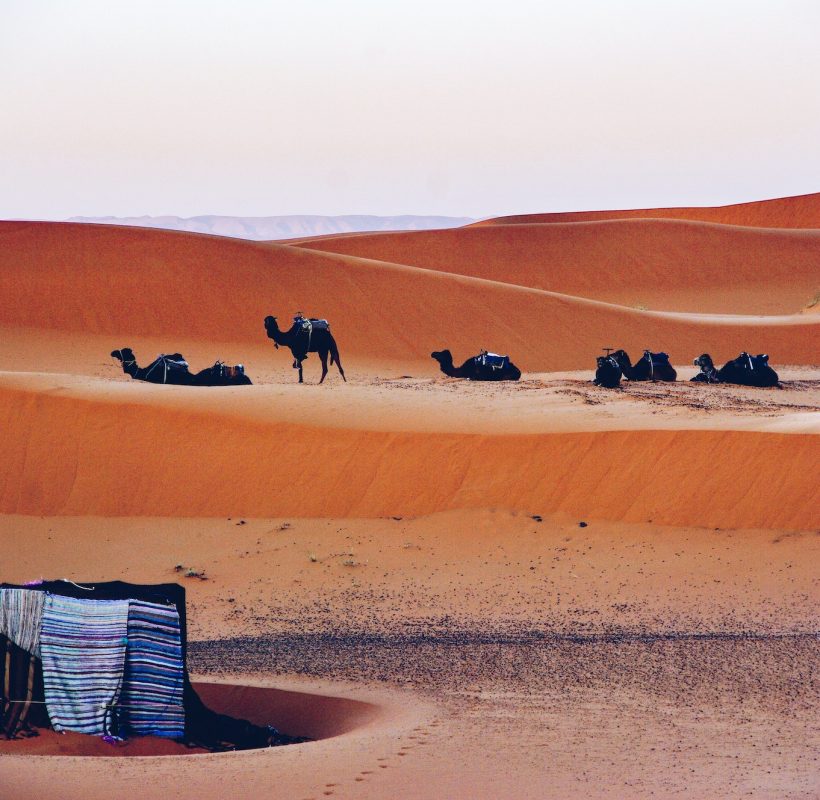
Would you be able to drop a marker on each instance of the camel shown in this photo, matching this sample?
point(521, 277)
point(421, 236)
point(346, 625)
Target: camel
point(173, 369)
point(483, 367)
point(649, 367)
point(608, 373)
point(745, 370)
point(303, 339)
point(708, 372)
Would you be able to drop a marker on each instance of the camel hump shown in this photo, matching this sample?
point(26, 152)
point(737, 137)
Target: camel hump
point(308, 325)
point(174, 360)
point(656, 359)
point(759, 361)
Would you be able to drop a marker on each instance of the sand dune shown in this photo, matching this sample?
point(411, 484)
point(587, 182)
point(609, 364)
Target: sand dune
point(800, 211)
point(69, 454)
point(141, 283)
point(658, 264)
point(530, 590)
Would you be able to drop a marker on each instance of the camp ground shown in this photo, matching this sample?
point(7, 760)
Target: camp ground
point(107, 659)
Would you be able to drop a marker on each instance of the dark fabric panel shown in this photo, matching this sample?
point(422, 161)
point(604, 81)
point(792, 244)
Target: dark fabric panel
point(22, 699)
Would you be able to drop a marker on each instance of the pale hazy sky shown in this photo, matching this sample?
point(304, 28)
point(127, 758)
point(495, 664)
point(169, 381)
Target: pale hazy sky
point(470, 108)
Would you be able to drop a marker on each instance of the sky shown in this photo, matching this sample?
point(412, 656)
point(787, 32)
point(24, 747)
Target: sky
point(255, 108)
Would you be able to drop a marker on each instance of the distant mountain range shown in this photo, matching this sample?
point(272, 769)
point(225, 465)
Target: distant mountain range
point(288, 227)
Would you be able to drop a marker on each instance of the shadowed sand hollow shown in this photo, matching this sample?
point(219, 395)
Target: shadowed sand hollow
point(313, 716)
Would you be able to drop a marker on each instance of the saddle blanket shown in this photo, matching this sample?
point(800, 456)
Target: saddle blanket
point(754, 362)
point(316, 325)
point(656, 359)
point(493, 360)
point(229, 370)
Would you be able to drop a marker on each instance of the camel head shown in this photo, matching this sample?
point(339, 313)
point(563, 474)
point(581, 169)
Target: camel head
point(123, 354)
point(704, 361)
point(444, 357)
point(622, 358)
point(272, 328)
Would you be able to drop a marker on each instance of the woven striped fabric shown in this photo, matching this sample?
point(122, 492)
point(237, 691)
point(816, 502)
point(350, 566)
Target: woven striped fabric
point(82, 644)
point(21, 614)
point(151, 699)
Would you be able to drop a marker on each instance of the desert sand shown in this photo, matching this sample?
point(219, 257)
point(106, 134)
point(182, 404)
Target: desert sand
point(530, 590)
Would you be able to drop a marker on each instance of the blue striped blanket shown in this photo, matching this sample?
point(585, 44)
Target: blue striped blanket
point(154, 679)
point(82, 644)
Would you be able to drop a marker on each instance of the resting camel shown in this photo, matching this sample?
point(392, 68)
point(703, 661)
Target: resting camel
point(303, 339)
point(708, 371)
point(483, 367)
point(649, 367)
point(173, 369)
point(608, 373)
point(745, 370)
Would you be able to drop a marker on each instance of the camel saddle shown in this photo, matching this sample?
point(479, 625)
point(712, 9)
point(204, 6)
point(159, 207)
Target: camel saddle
point(752, 363)
point(492, 360)
point(656, 359)
point(164, 363)
point(229, 371)
point(314, 324)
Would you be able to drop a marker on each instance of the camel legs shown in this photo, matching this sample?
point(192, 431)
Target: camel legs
point(299, 367)
point(323, 357)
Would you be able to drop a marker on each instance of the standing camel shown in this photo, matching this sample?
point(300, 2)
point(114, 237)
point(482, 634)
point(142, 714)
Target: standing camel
point(302, 340)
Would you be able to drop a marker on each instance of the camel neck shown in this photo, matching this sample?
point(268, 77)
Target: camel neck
point(279, 336)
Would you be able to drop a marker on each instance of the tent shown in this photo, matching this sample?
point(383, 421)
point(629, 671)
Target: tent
point(108, 659)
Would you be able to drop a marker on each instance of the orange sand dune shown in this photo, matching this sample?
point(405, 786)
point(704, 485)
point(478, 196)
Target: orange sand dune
point(612, 595)
point(659, 264)
point(800, 211)
point(145, 283)
point(68, 455)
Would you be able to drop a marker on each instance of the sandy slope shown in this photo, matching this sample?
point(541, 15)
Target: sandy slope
point(801, 211)
point(657, 264)
point(413, 543)
point(161, 283)
point(489, 713)
point(128, 449)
